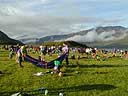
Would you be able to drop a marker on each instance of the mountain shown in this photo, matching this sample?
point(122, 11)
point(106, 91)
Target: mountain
point(121, 44)
point(102, 36)
point(62, 37)
point(93, 35)
point(4, 39)
point(69, 43)
point(29, 40)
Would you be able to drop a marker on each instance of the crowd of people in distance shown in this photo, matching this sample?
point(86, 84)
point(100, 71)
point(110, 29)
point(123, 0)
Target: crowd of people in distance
point(73, 52)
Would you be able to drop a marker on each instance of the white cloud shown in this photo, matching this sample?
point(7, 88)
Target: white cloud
point(9, 10)
point(89, 37)
point(93, 36)
point(38, 18)
point(40, 25)
point(78, 27)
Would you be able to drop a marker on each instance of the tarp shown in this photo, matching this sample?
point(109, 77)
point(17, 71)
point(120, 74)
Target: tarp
point(44, 64)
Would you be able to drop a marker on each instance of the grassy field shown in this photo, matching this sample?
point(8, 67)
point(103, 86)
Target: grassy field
point(91, 78)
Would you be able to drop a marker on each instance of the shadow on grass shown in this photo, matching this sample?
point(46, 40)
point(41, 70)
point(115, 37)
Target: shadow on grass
point(102, 87)
point(55, 91)
point(87, 87)
point(96, 66)
point(101, 73)
point(69, 74)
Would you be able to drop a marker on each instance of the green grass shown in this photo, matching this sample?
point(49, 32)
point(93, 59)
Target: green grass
point(91, 78)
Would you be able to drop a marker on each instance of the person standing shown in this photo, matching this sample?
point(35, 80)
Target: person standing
point(23, 51)
point(19, 57)
point(65, 50)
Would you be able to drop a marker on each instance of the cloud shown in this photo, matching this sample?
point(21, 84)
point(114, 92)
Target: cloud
point(89, 37)
point(9, 11)
point(22, 7)
point(93, 36)
point(39, 18)
point(40, 26)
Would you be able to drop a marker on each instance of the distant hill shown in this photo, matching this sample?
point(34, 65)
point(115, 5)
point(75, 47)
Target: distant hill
point(69, 43)
point(121, 43)
point(107, 33)
point(4, 39)
point(108, 36)
point(61, 37)
point(30, 40)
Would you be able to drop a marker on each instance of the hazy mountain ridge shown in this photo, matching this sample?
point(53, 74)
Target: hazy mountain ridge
point(29, 40)
point(109, 33)
point(104, 37)
point(108, 36)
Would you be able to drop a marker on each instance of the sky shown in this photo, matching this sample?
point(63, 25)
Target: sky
point(39, 18)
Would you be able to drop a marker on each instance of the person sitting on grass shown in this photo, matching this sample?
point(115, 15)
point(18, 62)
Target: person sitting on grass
point(57, 66)
point(11, 54)
point(39, 58)
point(125, 55)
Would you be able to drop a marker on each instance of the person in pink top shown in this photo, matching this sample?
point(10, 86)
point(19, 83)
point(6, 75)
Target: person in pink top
point(19, 57)
point(65, 50)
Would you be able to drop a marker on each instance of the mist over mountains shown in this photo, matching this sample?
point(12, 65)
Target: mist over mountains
point(108, 36)
point(99, 34)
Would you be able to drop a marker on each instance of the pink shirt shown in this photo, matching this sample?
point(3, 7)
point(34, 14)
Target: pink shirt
point(65, 49)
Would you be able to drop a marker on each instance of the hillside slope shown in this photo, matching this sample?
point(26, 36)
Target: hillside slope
point(4, 39)
point(69, 43)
